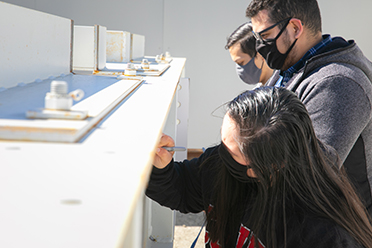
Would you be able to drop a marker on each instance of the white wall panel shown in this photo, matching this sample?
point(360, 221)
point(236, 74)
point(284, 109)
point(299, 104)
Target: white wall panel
point(138, 46)
point(36, 46)
point(100, 35)
point(84, 47)
point(89, 49)
point(143, 17)
point(118, 45)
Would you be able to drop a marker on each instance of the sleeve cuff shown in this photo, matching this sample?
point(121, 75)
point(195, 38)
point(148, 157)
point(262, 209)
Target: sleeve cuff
point(158, 171)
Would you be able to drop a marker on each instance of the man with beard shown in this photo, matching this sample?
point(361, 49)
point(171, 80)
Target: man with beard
point(330, 75)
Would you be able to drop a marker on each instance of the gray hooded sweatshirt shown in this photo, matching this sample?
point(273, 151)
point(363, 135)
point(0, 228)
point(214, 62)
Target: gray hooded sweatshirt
point(336, 88)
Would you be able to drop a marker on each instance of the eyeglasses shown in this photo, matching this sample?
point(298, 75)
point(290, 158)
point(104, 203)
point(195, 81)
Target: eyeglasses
point(258, 35)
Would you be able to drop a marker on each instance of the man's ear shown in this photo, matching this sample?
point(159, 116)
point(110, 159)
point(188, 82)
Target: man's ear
point(297, 27)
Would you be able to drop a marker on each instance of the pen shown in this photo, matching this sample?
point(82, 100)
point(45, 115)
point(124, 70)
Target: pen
point(174, 148)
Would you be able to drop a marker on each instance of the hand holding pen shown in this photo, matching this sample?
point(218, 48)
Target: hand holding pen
point(164, 152)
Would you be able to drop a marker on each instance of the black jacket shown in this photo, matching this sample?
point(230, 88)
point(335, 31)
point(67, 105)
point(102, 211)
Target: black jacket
point(336, 88)
point(188, 187)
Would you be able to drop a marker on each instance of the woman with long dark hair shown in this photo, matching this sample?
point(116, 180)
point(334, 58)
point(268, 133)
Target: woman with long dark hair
point(270, 183)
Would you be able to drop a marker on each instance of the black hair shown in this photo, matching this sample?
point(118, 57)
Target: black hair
point(243, 35)
point(305, 10)
point(292, 166)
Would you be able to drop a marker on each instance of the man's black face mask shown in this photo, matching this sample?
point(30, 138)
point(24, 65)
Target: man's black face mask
point(269, 50)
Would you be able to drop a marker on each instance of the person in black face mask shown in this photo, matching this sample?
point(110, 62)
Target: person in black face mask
point(268, 47)
point(331, 76)
point(250, 66)
point(269, 183)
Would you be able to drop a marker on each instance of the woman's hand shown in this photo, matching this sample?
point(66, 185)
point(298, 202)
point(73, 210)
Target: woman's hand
point(162, 156)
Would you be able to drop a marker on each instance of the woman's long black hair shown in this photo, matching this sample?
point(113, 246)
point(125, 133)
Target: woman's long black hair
point(292, 167)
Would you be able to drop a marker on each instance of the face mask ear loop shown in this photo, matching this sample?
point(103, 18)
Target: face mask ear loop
point(289, 49)
point(281, 31)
